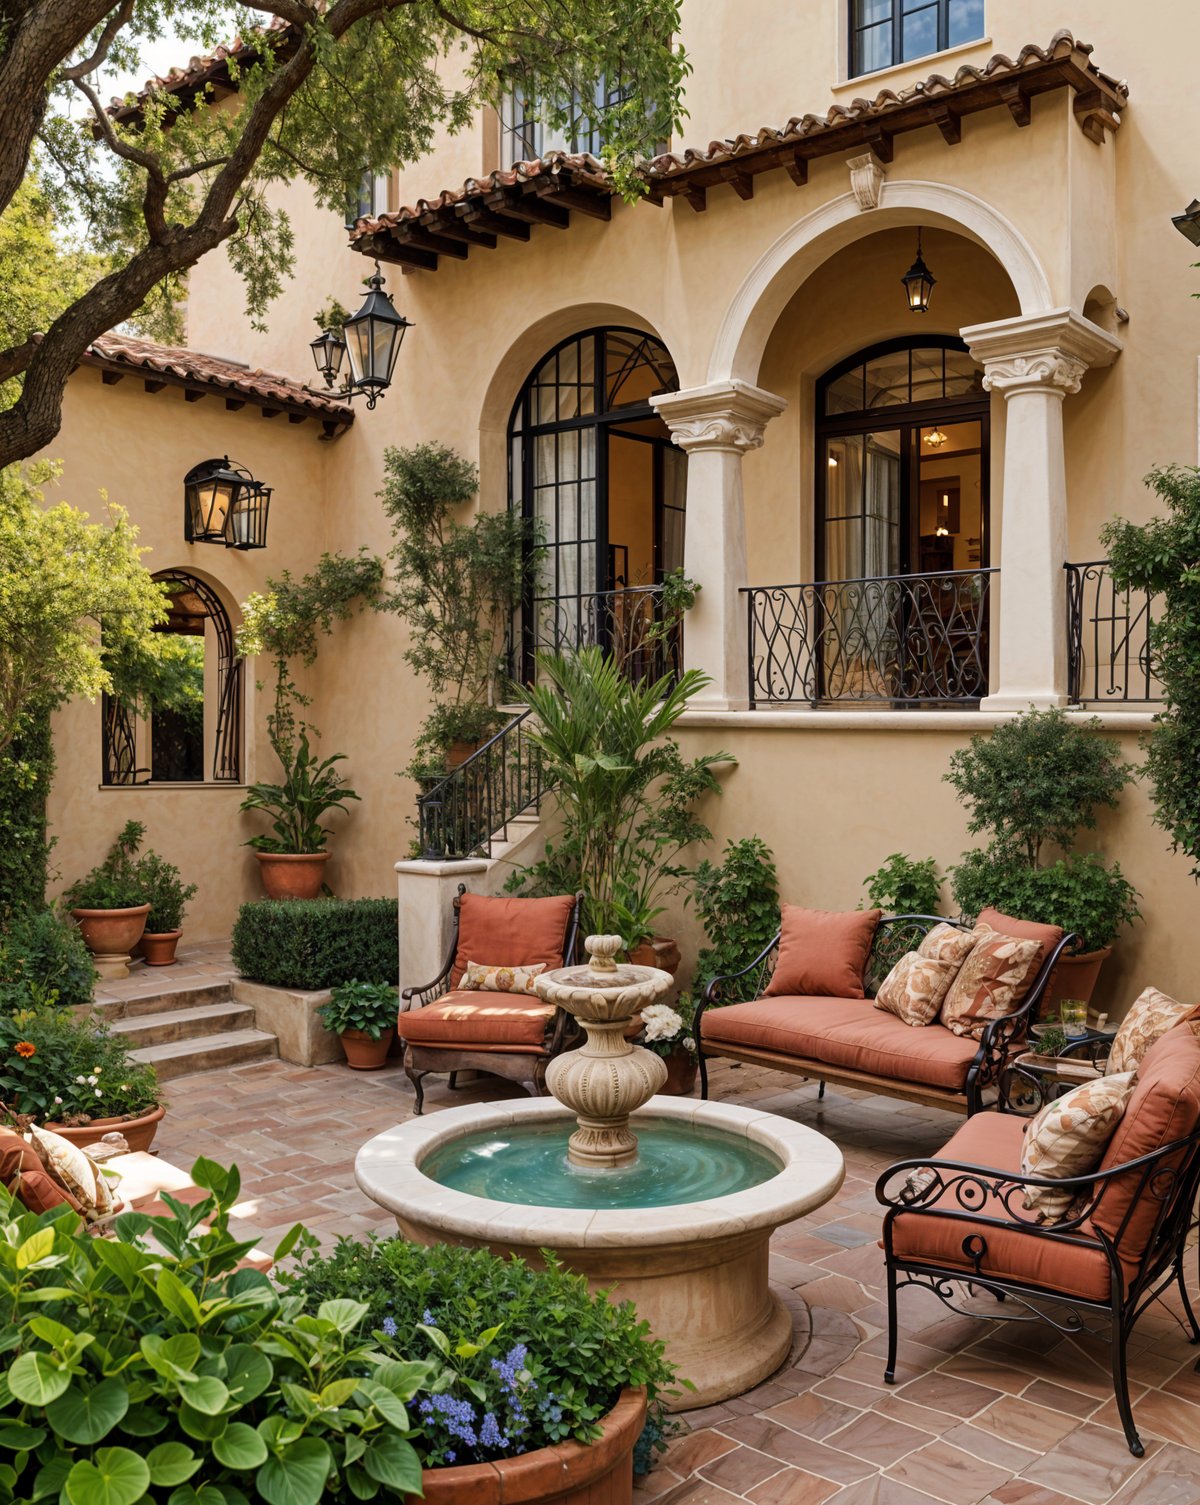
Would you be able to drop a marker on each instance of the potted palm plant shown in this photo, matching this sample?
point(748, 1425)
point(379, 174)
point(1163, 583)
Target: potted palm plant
point(363, 1016)
point(292, 859)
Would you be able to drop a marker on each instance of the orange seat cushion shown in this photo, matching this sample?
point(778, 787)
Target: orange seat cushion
point(502, 932)
point(22, 1171)
point(993, 1141)
point(460, 1021)
point(847, 1032)
point(823, 953)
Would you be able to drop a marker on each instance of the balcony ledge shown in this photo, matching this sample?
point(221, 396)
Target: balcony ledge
point(868, 719)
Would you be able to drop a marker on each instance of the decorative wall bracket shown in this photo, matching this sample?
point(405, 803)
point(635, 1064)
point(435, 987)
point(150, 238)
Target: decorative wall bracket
point(866, 179)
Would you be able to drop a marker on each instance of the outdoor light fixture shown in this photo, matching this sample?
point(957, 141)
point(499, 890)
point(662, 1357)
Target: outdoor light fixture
point(224, 504)
point(918, 283)
point(936, 438)
point(1188, 223)
point(371, 338)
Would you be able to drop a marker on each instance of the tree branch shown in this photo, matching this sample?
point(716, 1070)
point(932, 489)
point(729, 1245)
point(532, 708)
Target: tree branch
point(107, 37)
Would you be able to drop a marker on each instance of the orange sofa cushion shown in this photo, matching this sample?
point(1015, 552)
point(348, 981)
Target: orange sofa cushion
point(847, 1032)
point(1022, 930)
point(993, 1141)
point(22, 1171)
point(500, 932)
point(462, 1021)
point(1165, 1106)
point(822, 953)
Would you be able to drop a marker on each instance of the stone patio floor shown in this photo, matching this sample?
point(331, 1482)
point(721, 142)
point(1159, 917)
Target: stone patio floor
point(1003, 1414)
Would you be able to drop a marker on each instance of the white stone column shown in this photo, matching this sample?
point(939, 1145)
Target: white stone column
point(426, 893)
point(716, 425)
point(1034, 361)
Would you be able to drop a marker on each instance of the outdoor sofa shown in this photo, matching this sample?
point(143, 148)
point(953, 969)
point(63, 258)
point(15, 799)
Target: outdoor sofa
point(843, 1038)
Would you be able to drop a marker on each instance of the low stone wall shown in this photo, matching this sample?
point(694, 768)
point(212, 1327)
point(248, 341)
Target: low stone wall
point(291, 1015)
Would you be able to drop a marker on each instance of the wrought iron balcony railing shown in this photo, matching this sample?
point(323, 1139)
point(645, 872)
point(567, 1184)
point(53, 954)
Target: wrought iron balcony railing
point(1108, 639)
point(898, 639)
point(467, 810)
point(629, 623)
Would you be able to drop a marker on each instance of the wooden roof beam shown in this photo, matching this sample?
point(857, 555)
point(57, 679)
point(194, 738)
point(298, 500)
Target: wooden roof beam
point(880, 142)
point(411, 234)
point(483, 219)
point(1017, 101)
point(738, 179)
point(404, 255)
point(695, 195)
point(458, 229)
point(949, 124)
point(795, 165)
point(532, 209)
point(597, 206)
point(111, 378)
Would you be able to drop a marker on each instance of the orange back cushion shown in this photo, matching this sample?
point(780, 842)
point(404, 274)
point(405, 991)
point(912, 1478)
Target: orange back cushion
point(22, 1172)
point(503, 932)
point(823, 953)
point(1022, 930)
point(1165, 1106)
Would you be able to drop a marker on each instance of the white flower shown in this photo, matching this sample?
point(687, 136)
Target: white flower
point(689, 1043)
point(82, 1081)
point(92, 1080)
point(99, 1093)
point(661, 1022)
point(58, 1099)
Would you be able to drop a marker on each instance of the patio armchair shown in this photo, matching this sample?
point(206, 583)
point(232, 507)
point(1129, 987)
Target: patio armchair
point(849, 1042)
point(959, 1220)
point(446, 1029)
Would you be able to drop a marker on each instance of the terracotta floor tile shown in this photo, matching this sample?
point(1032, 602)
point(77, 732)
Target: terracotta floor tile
point(812, 1415)
point(1058, 1398)
point(948, 1474)
point(1159, 1414)
point(699, 1491)
point(1091, 1463)
point(921, 1417)
point(1026, 1492)
point(968, 1366)
point(882, 1491)
point(792, 1486)
point(1037, 1427)
point(878, 1439)
point(740, 1469)
point(1171, 1477)
point(943, 1392)
point(686, 1454)
point(980, 1443)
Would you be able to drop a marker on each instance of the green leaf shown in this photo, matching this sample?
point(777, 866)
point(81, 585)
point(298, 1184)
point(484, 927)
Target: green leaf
point(297, 1476)
point(336, 1393)
point(438, 1338)
point(18, 1438)
point(388, 1406)
point(175, 1357)
point(116, 1476)
point(360, 1483)
point(405, 1377)
point(287, 1243)
point(55, 1333)
point(240, 1447)
point(144, 1421)
point(37, 1380)
point(35, 1248)
point(86, 1414)
point(171, 1463)
point(204, 1392)
point(394, 1462)
point(203, 1428)
point(124, 1260)
point(207, 1494)
point(176, 1297)
point(345, 1314)
point(49, 1481)
point(247, 1372)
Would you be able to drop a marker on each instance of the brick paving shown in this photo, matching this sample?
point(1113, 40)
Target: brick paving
point(981, 1414)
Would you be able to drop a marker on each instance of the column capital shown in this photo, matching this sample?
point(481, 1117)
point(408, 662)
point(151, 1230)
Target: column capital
point(725, 415)
point(1046, 352)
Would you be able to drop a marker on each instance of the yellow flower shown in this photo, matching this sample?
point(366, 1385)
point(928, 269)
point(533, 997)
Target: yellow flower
point(25, 1049)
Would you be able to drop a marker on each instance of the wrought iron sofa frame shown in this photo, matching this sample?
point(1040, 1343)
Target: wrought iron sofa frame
point(968, 1188)
point(894, 935)
point(421, 1061)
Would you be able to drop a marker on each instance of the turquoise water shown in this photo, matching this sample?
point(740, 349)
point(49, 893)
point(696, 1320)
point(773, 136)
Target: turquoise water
point(527, 1163)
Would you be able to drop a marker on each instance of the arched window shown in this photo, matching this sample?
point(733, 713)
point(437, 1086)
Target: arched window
point(592, 463)
point(187, 717)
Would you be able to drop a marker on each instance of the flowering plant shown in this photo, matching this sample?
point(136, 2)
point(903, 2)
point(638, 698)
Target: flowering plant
point(57, 1068)
point(666, 1029)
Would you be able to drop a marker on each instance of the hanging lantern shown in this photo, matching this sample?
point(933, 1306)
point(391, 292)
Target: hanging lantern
point(373, 339)
point(328, 351)
point(224, 504)
point(918, 283)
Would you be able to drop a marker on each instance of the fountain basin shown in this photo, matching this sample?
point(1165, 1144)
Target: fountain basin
point(697, 1270)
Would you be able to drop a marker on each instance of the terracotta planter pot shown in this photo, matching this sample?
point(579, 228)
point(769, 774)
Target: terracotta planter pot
point(660, 952)
point(459, 751)
point(573, 1473)
point(681, 1073)
point(292, 875)
point(1074, 977)
point(158, 947)
point(363, 1053)
point(139, 1132)
point(112, 932)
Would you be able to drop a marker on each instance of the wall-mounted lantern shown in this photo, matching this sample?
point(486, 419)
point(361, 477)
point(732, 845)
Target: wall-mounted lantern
point(1188, 223)
point(224, 504)
point(918, 283)
point(371, 338)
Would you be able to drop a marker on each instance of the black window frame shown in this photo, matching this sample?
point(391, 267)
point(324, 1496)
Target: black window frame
point(898, 10)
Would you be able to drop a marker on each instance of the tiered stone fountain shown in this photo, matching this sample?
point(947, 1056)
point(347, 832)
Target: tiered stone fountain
point(667, 1201)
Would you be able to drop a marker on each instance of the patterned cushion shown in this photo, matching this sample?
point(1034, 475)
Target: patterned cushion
point(915, 987)
point(1068, 1138)
point(1152, 1015)
point(992, 982)
point(74, 1168)
point(482, 978)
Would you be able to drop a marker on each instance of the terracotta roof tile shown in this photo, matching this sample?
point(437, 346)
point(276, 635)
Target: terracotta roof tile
point(208, 68)
point(194, 369)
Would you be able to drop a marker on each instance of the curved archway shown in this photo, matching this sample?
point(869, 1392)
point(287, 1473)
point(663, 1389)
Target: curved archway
point(756, 306)
point(591, 465)
point(190, 708)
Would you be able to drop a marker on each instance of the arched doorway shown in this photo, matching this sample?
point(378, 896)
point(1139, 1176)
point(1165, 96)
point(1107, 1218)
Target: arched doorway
point(901, 518)
point(187, 714)
point(593, 465)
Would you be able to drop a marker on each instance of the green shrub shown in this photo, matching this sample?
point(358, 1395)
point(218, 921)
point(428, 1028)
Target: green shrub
point(317, 943)
point(904, 885)
point(25, 773)
point(369, 1007)
point(570, 1350)
point(738, 905)
point(1077, 892)
point(138, 1374)
point(57, 1067)
point(115, 883)
point(43, 960)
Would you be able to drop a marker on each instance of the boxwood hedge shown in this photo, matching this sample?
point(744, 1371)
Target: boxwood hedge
point(317, 943)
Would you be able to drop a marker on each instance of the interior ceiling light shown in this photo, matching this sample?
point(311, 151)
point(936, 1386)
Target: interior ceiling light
point(935, 438)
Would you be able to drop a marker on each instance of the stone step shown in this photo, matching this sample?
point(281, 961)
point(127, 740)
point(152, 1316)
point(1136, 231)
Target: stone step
point(184, 1023)
point(168, 998)
point(236, 1047)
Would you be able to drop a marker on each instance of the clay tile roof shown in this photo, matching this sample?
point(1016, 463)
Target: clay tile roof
point(119, 355)
point(936, 100)
point(504, 203)
point(211, 72)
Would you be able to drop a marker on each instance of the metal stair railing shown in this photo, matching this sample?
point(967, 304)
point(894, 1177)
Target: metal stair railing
point(465, 812)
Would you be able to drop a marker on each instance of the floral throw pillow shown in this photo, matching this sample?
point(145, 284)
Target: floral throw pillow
point(1152, 1015)
point(948, 943)
point(913, 990)
point(500, 979)
point(992, 982)
point(1068, 1138)
point(73, 1168)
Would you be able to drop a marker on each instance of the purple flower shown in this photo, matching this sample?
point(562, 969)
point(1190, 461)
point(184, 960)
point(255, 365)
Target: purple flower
point(389, 1327)
point(427, 1317)
point(490, 1435)
point(510, 1366)
point(456, 1416)
point(451, 1456)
